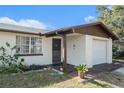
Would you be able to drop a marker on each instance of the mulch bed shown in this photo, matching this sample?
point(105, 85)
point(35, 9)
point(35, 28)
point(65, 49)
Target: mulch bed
point(96, 69)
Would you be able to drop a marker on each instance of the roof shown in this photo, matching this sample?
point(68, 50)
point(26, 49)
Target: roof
point(36, 31)
point(21, 29)
point(71, 29)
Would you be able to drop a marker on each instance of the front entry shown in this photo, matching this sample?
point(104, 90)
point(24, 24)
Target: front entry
point(56, 51)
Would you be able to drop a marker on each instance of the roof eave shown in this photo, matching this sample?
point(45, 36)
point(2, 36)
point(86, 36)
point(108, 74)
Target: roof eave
point(113, 36)
point(21, 32)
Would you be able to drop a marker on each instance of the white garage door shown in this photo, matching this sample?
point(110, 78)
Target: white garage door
point(99, 51)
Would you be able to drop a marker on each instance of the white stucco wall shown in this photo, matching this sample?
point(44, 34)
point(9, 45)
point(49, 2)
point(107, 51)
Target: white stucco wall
point(75, 49)
point(83, 51)
point(46, 48)
point(47, 54)
point(88, 50)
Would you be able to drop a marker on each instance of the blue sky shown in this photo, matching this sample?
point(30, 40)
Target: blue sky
point(49, 16)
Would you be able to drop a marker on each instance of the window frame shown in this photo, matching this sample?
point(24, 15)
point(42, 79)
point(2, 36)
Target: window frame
point(30, 45)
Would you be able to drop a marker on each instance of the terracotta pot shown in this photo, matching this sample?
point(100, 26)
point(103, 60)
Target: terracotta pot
point(81, 74)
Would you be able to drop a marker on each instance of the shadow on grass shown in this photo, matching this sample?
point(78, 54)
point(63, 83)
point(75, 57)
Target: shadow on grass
point(99, 84)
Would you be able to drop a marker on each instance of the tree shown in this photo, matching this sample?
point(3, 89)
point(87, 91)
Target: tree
point(113, 17)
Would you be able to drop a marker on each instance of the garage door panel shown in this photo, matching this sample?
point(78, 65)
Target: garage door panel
point(99, 51)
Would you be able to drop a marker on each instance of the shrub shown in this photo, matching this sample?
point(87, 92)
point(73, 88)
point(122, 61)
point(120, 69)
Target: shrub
point(81, 67)
point(11, 62)
point(10, 69)
point(115, 51)
point(118, 51)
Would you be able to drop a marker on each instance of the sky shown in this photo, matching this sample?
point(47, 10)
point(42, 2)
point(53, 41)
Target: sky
point(47, 17)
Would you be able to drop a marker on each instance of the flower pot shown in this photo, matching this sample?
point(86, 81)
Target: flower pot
point(81, 74)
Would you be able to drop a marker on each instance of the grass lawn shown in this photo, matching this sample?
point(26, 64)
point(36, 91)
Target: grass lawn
point(113, 78)
point(33, 79)
point(37, 79)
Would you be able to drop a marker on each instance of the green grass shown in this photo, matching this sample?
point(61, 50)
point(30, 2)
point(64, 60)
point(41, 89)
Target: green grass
point(112, 78)
point(37, 79)
point(31, 79)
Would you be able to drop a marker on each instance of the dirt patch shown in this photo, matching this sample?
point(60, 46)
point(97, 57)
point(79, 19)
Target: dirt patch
point(73, 83)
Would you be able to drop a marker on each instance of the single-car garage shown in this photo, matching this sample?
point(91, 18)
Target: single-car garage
point(99, 49)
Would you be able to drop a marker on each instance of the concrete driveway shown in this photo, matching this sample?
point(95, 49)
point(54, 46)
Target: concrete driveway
point(119, 71)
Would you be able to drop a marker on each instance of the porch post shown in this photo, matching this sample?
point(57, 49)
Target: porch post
point(65, 53)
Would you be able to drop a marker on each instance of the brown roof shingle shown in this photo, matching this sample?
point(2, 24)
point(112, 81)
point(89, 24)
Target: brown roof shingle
point(70, 30)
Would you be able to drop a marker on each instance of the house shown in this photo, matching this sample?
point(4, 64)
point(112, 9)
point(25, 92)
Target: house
point(89, 44)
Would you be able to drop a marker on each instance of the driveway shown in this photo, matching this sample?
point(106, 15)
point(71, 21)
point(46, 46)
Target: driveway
point(120, 71)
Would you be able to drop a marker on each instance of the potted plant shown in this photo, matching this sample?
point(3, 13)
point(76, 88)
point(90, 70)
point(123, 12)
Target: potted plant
point(82, 69)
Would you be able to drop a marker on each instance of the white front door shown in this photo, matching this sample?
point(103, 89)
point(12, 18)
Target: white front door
point(99, 51)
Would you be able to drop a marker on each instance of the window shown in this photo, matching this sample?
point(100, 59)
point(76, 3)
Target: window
point(36, 45)
point(29, 45)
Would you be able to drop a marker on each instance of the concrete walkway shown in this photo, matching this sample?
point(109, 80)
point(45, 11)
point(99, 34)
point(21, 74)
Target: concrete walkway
point(120, 71)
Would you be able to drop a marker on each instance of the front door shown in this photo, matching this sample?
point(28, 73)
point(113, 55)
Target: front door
point(56, 51)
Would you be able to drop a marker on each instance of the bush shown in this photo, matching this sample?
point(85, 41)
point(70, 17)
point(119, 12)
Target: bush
point(120, 54)
point(82, 67)
point(117, 53)
point(13, 69)
point(11, 62)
